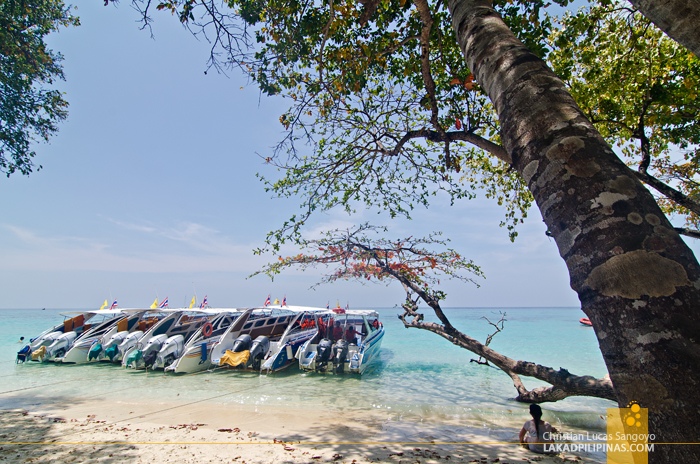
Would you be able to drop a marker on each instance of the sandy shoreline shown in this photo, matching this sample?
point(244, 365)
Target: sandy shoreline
point(119, 431)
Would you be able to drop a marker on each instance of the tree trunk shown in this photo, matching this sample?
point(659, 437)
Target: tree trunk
point(679, 19)
point(637, 280)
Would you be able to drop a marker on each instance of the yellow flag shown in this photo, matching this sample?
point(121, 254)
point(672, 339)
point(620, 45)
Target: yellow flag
point(103, 305)
point(192, 304)
point(277, 301)
point(155, 304)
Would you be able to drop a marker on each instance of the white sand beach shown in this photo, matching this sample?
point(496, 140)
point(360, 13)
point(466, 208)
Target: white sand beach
point(126, 432)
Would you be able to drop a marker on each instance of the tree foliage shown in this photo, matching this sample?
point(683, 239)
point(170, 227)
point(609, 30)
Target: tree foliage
point(384, 112)
point(640, 89)
point(385, 101)
point(29, 109)
point(357, 256)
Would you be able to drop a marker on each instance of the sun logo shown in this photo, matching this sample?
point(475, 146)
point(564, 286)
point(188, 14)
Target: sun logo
point(632, 418)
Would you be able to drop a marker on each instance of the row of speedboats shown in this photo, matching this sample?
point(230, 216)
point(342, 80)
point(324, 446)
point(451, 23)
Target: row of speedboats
point(265, 339)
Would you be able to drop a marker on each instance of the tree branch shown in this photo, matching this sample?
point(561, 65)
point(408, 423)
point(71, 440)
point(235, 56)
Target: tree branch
point(564, 384)
point(359, 257)
point(669, 192)
point(687, 232)
point(457, 136)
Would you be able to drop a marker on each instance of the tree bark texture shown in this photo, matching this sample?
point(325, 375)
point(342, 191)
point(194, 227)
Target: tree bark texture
point(679, 19)
point(637, 281)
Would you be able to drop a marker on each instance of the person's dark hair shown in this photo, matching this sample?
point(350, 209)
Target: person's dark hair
point(536, 413)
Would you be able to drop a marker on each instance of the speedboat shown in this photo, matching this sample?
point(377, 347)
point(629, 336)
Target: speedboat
point(164, 342)
point(346, 344)
point(77, 352)
point(111, 345)
point(264, 339)
point(36, 348)
point(197, 351)
point(76, 331)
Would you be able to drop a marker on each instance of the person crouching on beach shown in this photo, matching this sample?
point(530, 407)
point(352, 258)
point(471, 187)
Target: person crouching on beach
point(536, 432)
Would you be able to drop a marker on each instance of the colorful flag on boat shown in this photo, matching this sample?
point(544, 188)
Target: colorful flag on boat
point(192, 304)
point(204, 302)
point(114, 305)
point(104, 304)
point(164, 304)
point(328, 305)
point(277, 301)
point(155, 304)
point(267, 302)
point(347, 306)
point(284, 300)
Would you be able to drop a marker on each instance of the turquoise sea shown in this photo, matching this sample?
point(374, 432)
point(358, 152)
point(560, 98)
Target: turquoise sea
point(418, 376)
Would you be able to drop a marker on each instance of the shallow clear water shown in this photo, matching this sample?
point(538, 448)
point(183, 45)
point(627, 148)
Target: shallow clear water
point(418, 375)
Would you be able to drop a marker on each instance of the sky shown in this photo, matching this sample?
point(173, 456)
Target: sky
point(149, 190)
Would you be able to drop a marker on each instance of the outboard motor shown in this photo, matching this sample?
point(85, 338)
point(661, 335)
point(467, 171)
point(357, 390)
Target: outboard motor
point(59, 347)
point(95, 351)
point(24, 354)
point(150, 358)
point(117, 338)
point(340, 353)
point(170, 351)
point(260, 347)
point(44, 340)
point(242, 343)
point(152, 347)
point(132, 359)
point(129, 342)
point(111, 352)
point(325, 351)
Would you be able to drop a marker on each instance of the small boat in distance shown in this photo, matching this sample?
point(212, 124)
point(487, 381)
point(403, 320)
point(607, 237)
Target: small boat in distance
point(585, 321)
point(345, 344)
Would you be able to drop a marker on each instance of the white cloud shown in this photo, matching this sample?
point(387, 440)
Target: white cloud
point(207, 250)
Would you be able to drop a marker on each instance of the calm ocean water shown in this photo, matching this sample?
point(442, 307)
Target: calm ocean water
point(419, 376)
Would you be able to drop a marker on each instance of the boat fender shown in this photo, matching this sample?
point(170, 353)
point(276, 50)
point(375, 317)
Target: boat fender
point(242, 343)
point(207, 329)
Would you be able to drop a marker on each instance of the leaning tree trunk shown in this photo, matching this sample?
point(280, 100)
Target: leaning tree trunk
point(679, 19)
point(637, 280)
